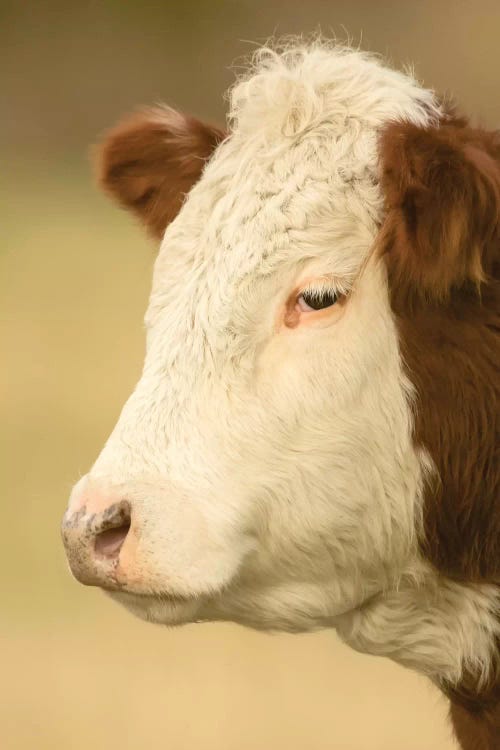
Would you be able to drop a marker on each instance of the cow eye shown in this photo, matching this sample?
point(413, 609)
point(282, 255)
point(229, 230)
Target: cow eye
point(311, 300)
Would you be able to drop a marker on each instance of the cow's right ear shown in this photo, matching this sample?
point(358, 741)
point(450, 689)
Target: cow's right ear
point(151, 159)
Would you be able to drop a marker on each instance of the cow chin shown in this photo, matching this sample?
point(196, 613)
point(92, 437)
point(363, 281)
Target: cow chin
point(161, 609)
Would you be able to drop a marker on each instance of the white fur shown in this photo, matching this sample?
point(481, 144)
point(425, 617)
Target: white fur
point(272, 474)
point(436, 626)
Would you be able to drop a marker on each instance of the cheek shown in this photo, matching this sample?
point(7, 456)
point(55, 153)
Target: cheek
point(308, 366)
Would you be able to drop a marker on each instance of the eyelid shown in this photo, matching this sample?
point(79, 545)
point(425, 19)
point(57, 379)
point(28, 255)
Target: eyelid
point(316, 285)
point(322, 284)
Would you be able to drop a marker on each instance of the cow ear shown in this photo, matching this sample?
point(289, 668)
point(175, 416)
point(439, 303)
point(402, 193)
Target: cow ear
point(442, 192)
point(151, 159)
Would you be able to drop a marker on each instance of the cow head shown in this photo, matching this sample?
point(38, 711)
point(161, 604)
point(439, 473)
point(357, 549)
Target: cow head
point(271, 466)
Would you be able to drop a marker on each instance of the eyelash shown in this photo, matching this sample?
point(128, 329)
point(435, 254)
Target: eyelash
point(317, 292)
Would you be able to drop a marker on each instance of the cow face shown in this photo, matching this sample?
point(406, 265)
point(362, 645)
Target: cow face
point(263, 470)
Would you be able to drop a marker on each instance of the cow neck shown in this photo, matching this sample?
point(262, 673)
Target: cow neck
point(451, 352)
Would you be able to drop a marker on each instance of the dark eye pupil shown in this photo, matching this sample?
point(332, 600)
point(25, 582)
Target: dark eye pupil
point(318, 301)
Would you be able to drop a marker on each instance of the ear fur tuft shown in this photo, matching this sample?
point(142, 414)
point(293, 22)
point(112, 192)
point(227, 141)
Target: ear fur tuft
point(151, 159)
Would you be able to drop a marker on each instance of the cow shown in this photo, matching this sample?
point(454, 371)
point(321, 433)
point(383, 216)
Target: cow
point(313, 441)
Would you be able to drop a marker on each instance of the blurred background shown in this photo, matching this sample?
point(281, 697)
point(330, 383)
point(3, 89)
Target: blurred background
point(75, 670)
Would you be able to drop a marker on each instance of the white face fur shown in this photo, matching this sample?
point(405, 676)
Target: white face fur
point(266, 450)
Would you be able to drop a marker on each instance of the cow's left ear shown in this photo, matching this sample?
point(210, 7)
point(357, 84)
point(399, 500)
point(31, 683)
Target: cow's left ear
point(151, 159)
point(442, 192)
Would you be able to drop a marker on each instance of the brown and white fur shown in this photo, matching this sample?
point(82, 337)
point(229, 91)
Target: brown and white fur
point(291, 468)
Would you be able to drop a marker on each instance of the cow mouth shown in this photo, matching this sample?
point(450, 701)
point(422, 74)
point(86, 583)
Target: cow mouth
point(163, 608)
point(146, 596)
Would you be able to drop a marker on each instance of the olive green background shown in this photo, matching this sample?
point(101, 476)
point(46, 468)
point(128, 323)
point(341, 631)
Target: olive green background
point(77, 672)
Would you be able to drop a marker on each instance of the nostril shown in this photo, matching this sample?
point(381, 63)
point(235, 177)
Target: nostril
point(112, 528)
point(109, 543)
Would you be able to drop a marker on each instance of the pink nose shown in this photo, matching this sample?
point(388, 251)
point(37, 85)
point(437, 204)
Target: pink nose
point(94, 530)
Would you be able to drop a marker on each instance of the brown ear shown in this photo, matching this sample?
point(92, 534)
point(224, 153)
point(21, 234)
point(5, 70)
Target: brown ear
point(442, 189)
point(151, 159)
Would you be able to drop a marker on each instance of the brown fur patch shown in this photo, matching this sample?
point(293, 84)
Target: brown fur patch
point(476, 730)
point(441, 243)
point(476, 718)
point(150, 160)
